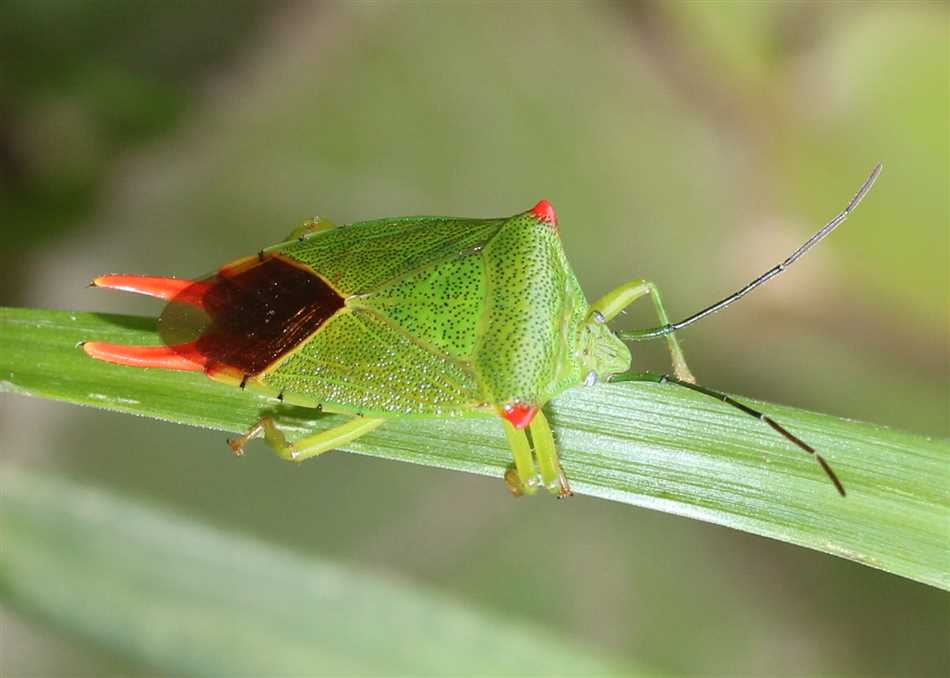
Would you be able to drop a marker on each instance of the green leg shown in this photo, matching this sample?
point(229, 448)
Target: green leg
point(310, 227)
point(307, 447)
point(546, 452)
point(617, 299)
point(521, 478)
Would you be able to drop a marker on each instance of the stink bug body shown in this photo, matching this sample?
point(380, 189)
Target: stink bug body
point(415, 317)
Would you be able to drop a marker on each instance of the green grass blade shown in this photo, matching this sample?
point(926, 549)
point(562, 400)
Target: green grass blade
point(187, 599)
point(651, 445)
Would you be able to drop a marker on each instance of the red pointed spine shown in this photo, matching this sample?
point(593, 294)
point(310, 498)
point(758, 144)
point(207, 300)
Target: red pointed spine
point(180, 357)
point(544, 212)
point(169, 289)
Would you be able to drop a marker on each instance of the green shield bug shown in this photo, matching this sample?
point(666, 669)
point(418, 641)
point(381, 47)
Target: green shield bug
point(417, 317)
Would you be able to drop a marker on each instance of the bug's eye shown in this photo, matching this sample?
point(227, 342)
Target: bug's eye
point(544, 212)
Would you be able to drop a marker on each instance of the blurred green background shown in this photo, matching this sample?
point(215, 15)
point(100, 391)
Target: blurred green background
point(694, 144)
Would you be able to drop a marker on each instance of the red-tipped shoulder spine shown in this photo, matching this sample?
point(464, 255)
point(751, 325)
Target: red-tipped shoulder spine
point(519, 415)
point(544, 212)
point(180, 357)
point(169, 289)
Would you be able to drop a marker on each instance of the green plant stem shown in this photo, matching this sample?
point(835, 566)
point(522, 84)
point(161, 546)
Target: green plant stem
point(650, 445)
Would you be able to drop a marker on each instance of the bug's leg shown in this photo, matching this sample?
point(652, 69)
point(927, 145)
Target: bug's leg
point(521, 478)
point(310, 227)
point(761, 416)
point(307, 447)
point(617, 299)
point(546, 453)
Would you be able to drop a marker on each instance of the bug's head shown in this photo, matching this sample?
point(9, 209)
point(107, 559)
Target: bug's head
point(600, 351)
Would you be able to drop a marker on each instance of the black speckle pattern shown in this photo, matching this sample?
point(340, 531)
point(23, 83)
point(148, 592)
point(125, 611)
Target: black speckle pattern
point(439, 305)
point(532, 306)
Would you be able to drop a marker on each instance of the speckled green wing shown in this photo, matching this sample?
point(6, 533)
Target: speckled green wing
point(359, 362)
point(364, 257)
point(414, 290)
point(440, 305)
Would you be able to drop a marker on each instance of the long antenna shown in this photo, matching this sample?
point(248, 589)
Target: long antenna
point(761, 416)
point(663, 330)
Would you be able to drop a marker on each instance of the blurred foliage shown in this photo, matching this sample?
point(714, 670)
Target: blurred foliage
point(171, 603)
point(83, 82)
point(691, 143)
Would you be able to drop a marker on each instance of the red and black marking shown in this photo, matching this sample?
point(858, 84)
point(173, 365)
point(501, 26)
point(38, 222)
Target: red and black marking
point(262, 312)
point(241, 320)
